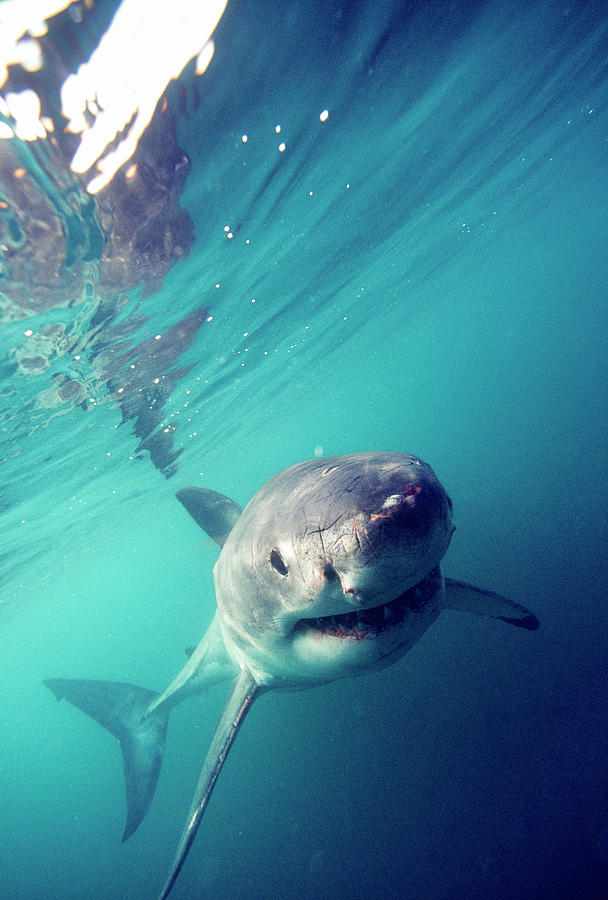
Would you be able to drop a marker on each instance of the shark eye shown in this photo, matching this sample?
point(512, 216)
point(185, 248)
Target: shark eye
point(277, 562)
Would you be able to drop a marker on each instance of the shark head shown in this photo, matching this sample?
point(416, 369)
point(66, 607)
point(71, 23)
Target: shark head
point(332, 568)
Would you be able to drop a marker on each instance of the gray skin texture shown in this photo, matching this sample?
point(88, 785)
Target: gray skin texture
point(324, 538)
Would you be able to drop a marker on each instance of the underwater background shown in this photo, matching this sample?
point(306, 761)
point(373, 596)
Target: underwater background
point(422, 269)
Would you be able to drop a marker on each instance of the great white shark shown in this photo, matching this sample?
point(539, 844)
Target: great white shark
point(331, 570)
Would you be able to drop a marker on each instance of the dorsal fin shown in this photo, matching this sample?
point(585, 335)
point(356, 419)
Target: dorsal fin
point(215, 513)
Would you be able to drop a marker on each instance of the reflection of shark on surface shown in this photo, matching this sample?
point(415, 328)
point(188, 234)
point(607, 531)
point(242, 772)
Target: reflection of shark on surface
point(331, 570)
point(142, 377)
point(139, 378)
point(63, 249)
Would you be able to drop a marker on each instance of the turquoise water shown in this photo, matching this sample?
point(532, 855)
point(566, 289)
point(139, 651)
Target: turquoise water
point(429, 271)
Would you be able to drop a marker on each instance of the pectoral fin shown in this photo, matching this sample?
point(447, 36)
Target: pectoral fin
point(460, 595)
point(208, 663)
point(242, 694)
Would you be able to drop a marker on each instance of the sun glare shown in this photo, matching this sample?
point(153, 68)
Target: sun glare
point(118, 87)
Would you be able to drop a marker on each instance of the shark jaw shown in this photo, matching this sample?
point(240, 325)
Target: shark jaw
point(316, 649)
point(328, 647)
point(372, 621)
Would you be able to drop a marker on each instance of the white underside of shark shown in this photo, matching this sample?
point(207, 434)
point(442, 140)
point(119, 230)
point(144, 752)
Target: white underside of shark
point(331, 570)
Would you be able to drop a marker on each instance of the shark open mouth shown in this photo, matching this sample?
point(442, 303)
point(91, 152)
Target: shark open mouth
point(364, 623)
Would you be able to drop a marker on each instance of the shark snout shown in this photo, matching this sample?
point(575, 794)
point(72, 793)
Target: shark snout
point(404, 498)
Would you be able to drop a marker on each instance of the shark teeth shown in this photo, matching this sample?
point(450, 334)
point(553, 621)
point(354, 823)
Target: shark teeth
point(370, 622)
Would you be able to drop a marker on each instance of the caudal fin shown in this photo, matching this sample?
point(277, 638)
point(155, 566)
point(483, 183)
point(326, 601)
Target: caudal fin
point(121, 708)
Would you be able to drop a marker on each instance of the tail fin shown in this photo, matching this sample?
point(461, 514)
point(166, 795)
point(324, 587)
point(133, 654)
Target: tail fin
point(121, 709)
